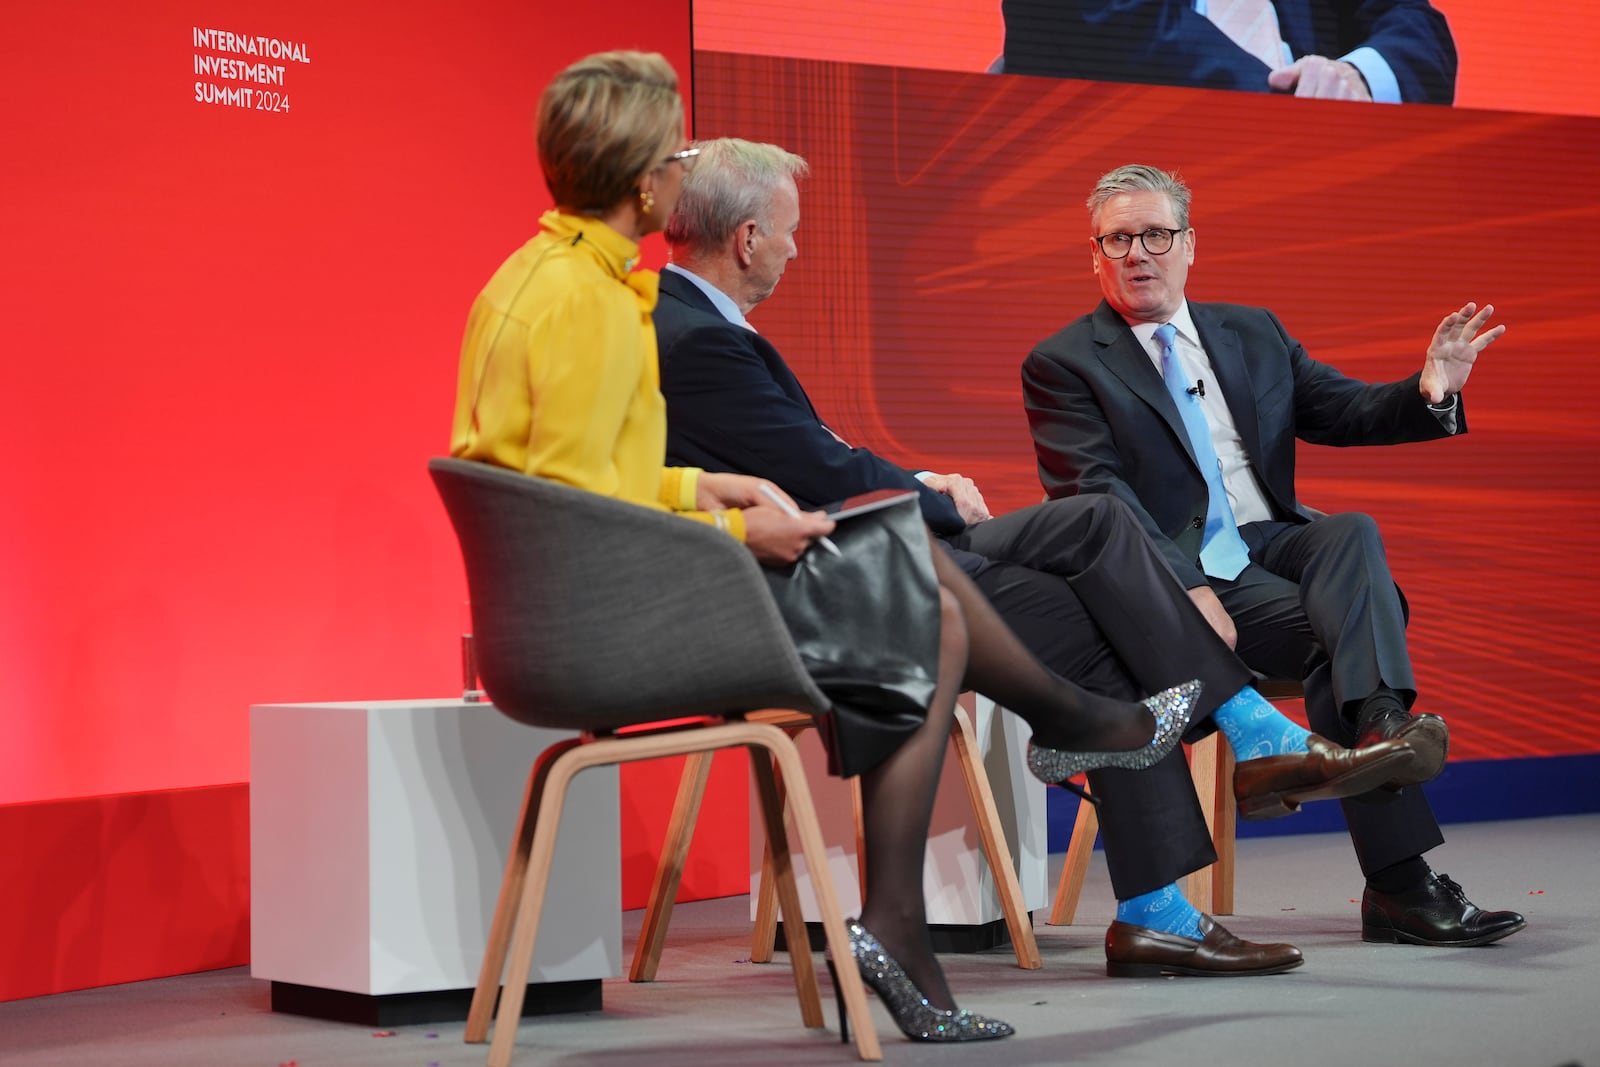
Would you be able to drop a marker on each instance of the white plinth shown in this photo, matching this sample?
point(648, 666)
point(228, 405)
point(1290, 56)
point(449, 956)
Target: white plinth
point(956, 878)
point(378, 837)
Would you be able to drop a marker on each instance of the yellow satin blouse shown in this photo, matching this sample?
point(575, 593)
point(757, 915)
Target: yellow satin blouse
point(558, 373)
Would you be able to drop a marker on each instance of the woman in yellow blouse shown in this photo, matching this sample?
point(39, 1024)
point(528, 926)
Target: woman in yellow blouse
point(559, 380)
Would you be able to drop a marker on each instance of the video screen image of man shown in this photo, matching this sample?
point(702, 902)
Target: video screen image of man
point(1388, 51)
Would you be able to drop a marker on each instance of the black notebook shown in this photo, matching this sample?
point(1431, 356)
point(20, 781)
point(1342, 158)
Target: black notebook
point(862, 503)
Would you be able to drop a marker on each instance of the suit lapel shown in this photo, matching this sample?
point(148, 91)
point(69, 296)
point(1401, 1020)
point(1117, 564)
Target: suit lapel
point(677, 286)
point(1121, 354)
point(1226, 352)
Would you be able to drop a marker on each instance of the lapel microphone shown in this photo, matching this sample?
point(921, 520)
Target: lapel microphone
point(1198, 388)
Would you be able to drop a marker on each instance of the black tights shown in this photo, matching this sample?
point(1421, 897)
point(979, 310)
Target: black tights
point(999, 666)
point(976, 650)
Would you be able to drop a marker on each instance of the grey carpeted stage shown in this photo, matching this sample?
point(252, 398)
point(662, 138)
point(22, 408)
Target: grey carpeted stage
point(1531, 1001)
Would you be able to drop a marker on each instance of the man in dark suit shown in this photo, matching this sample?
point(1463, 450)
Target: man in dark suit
point(1384, 50)
point(1189, 414)
point(1076, 580)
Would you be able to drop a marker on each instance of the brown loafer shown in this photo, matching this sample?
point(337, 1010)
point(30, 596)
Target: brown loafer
point(1139, 952)
point(1426, 735)
point(1277, 785)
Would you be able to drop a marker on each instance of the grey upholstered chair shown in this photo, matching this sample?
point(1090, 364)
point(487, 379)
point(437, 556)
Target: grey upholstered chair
point(591, 614)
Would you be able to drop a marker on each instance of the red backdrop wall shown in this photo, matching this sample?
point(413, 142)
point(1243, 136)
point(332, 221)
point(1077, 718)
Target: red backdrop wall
point(230, 345)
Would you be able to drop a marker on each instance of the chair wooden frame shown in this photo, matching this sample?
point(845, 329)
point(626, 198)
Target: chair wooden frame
point(1211, 766)
point(669, 870)
point(514, 931)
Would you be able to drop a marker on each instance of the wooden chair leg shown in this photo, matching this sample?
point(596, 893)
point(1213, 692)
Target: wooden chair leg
point(1069, 890)
point(1211, 766)
point(505, 909)
point(669, 868)
point(544, 807)
point(1224, 824)
point(861, 835)
point(788, 893)
point(995, 848)
point(764, 937)
point(804, 813)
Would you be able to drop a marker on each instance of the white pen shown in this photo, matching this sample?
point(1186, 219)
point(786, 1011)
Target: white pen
point(789, 510)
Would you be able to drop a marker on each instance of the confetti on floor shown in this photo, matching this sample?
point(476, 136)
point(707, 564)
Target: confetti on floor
point(384, 1033)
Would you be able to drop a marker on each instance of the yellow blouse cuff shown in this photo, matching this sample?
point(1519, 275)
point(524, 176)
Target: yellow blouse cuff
point(679, 486)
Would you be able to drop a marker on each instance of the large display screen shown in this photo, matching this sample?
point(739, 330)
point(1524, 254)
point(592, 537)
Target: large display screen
point(1472, 53)
point(943, 234)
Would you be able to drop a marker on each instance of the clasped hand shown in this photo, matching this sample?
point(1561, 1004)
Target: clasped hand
point(1320, 78)
point(963, 493)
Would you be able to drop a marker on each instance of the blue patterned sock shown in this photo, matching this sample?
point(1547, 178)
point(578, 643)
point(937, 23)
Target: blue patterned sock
point(1255, 728)
point(1166, 910)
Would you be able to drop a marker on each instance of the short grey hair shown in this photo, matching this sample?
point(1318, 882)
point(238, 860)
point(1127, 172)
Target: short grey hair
point(732, 183)
point(1140, 178)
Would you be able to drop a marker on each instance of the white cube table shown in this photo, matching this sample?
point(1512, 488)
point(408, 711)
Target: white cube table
point(963, 907)
point(378, 838)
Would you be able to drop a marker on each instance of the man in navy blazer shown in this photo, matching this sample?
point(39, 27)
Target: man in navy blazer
point(1076, 580)
point(1308, 595)
point(1385, 50)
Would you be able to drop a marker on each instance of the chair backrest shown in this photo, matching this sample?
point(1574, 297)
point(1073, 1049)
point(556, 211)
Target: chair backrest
point(589, 613)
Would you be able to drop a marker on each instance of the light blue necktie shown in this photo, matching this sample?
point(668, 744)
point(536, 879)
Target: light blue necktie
point(1222, 552)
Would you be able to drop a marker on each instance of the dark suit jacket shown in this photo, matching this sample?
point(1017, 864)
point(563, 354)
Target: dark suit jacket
point(1103, 421)
point(1164, 42)
point(733, 404)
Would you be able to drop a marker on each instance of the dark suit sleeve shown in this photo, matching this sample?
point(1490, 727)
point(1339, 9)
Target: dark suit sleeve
point(1156, 42)
point(1412, 36)
point(727, 412)
point(1077, 453)
point(1331, 408)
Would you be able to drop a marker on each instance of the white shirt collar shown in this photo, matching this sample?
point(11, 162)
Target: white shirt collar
point(1181, 318)
point(719, 300)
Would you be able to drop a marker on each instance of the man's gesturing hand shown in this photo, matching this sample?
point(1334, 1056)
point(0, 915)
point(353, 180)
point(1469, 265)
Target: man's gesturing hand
point(1453, 350)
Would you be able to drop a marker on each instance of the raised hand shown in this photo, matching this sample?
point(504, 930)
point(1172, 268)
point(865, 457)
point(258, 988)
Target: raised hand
point(1453, 351)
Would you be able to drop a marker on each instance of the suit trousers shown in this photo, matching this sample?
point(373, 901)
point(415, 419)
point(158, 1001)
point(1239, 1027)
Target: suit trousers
point(1092, 598)
point(1319, 603)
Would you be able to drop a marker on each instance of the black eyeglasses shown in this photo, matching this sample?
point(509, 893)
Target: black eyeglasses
point(688, 157)
point(1156, 240)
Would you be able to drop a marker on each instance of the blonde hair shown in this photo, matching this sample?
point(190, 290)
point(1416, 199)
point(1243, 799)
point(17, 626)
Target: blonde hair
point(604, 123)
point(1137, 178)
point(732, 182)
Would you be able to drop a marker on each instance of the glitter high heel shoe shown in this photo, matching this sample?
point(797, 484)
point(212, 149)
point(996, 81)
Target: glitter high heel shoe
point(1171, 708)
point(917, 1019)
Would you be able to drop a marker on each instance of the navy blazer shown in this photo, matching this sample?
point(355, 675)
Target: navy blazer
point(1103, 421)
point(1164, 42)
point(734, 405)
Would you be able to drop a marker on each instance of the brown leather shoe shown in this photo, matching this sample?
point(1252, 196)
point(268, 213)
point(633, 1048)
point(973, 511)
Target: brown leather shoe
point(1139, 952)
point(1427, 735)
point(1277, 785)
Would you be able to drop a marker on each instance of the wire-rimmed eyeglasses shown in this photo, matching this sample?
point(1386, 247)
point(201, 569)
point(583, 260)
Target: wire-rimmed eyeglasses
point(689, 157)
point(1156, 240)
